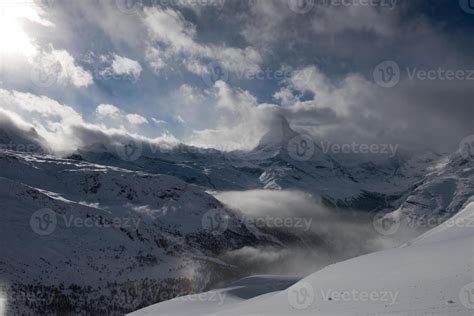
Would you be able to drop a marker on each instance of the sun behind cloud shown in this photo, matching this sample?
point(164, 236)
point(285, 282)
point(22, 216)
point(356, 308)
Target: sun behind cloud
point(13, 37)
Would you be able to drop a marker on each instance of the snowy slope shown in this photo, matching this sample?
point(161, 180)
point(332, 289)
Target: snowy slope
point(444, 190)
point(221, 299)
point(434, 275)
point(435, 198)
point(104, 230)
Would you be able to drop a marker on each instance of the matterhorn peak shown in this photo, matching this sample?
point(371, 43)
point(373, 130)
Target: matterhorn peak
point(279, 133)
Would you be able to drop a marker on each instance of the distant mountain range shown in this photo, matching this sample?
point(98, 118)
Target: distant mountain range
point(115, 227)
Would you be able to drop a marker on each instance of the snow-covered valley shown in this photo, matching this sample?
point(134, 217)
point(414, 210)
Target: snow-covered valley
point(432, 275)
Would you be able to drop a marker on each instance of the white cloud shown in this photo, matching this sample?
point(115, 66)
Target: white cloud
point(285, 96)
point(224, 114)
point(190, 95)
point(13, 38)
point(316, 220)
point(338, 97)
point(18, 135)
point(173, 38)
point(271, 22)
point(179, 119)
point(61, 67)
point(63, 129)
point(158, 121)
point(126, 66)
point(136, 119)
point(29, 104)
point(156, 58)
point(20, 47)
point(108, 110)
point(242, 121)
point(48, 117)
point(113, 112)
point(32, 11)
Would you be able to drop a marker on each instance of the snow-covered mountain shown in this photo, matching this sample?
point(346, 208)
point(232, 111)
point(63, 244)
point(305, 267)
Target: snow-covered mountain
point(434, 275)
point(101, 233)
point(443, 191)
point(284, 159)
point(435, 198)
point(74, 232)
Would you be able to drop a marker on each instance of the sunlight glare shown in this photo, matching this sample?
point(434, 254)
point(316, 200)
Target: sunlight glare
point(13, 38)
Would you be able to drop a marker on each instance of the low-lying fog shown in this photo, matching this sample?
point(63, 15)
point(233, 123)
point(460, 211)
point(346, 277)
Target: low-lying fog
point(327, 235)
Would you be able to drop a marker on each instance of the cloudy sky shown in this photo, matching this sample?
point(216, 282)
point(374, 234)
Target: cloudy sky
point(215, 73)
